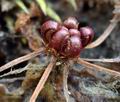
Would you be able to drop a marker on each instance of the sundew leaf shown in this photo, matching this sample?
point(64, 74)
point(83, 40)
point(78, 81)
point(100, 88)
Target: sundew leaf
point(43, 6)
point(47, 10)
point(51, 13)
point(22, 6)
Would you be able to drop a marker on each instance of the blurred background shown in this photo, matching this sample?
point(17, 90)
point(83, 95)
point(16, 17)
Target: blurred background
point(19, 24)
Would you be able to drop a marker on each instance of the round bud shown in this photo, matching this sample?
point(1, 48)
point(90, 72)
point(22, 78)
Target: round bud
point(74, 32)
point(72, 47)
point(70, 23)
point(47, 29)
point(87, 35)
point(57, 39)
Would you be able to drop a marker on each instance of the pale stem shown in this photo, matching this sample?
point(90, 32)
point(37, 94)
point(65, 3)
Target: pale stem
point(42, 81)
point(111, 60)
point(21, 59)
point(97, 67)
point(65, 84)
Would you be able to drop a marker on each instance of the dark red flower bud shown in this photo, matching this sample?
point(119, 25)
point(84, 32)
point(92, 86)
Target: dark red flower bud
point(72, 47)
point(87, 35)
point(74, 32)
point(57, 39)
point(70, 23)
point(48, 29)
point(67, 40)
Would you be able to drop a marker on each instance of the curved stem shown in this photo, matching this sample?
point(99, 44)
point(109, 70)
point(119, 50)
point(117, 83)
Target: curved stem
point(43, 79)
point(98, 68)
point(106, 33)
point(65, 85)
point(111, 60)
point(21, 59)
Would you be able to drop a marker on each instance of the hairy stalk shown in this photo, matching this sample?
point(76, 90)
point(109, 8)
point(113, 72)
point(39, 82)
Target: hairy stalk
point(65, 85)
point(21, 59)
point(98, 68)
point(43, 79)
point(106, 33)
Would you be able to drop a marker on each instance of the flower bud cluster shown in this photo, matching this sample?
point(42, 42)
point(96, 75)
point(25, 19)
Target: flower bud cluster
point(66, 39)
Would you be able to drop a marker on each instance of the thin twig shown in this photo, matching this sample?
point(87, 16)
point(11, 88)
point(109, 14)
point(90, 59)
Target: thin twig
point(43, 79)
point(98, 68)
point(106, 33)
point(111, 60)
point(21, 59)
point(65, 85)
